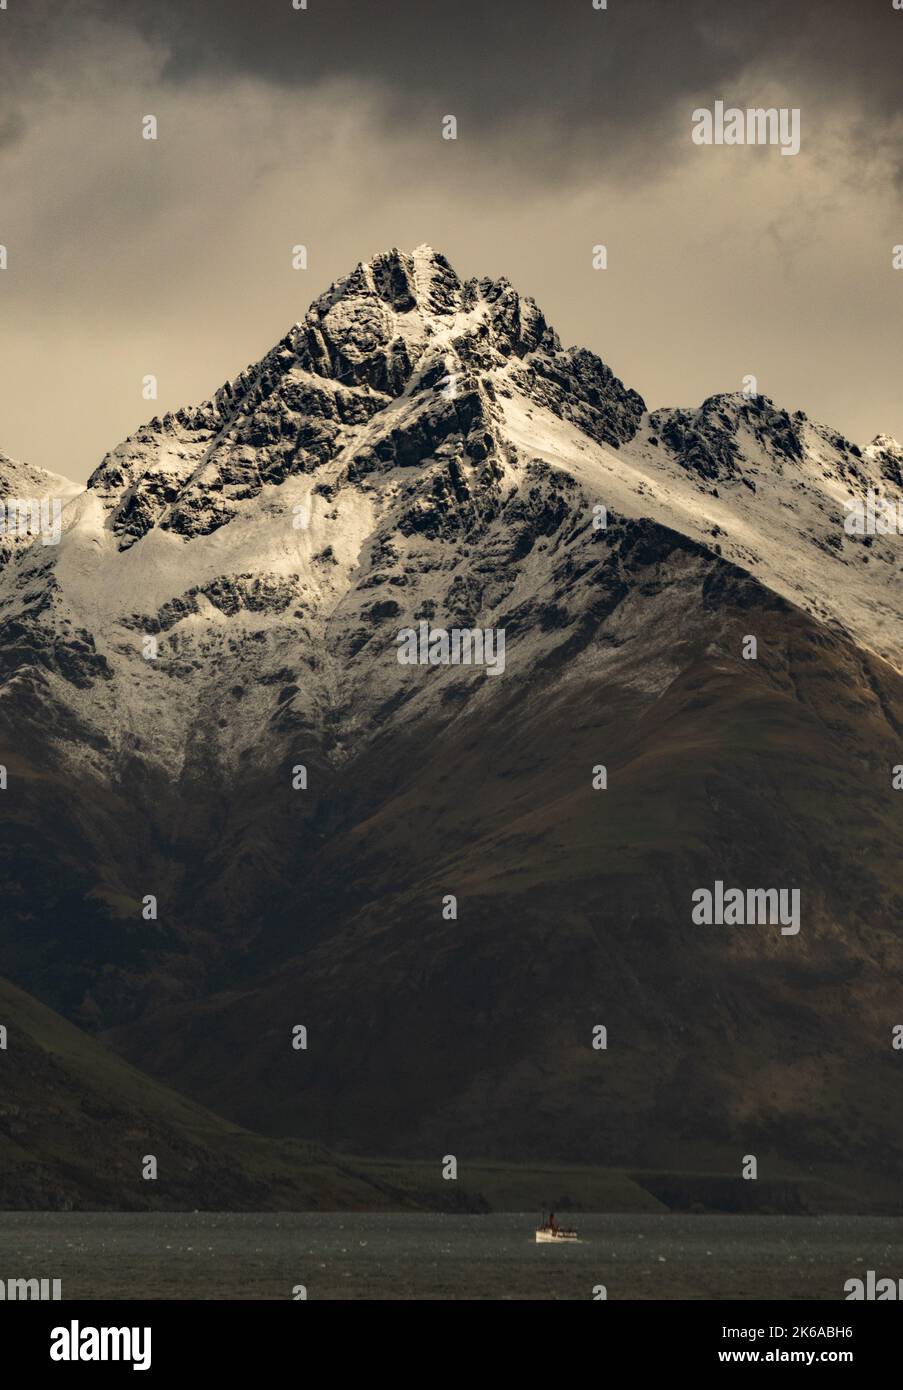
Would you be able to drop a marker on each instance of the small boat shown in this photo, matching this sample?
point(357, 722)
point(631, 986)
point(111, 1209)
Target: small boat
point(550, 1232)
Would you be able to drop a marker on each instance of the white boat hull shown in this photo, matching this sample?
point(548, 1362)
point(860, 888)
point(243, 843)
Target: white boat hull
point(553, 1238)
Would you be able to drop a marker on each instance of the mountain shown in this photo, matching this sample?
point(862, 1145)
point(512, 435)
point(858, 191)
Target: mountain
point(224, 606)
point(23, 488)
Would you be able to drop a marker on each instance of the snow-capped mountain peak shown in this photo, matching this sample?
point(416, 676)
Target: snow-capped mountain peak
point(415, 445)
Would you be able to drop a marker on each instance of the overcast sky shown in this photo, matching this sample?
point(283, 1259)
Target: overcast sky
point(173, 257)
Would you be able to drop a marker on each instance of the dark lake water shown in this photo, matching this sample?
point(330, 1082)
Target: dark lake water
point(380, 1256)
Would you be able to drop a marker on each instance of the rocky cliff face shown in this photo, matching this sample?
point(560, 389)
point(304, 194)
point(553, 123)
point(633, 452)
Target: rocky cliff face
point(390, 365)
point(224, 607)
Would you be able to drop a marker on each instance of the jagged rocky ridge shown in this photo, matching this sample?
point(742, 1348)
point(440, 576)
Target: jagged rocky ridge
point(395, 328)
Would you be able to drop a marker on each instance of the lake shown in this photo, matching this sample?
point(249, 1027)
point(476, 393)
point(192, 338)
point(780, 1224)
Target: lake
point(210, 1255)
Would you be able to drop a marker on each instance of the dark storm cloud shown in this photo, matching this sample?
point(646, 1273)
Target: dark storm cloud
point(602, 73)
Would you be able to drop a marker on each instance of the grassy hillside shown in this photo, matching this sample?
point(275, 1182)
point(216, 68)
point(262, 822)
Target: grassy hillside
point(76, 1122)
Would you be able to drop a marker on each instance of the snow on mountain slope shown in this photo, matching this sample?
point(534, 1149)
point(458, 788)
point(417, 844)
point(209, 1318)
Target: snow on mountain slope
point(25, 480)
point(773, 506)
point(415, 447)
point(23, 490)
